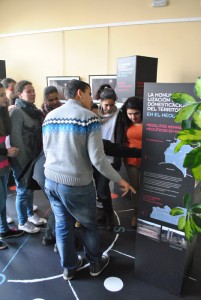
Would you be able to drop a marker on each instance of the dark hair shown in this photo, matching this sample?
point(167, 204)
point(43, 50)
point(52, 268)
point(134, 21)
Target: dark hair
point(99, 91)
point(7, 81)
point(5, 124)
point(131, 103)
point(73, 86)
point(49, 90)
point(94, 106)
point(20, 86)
point(108, 93)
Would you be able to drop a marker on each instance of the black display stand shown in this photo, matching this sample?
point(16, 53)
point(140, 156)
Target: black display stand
point(132, 72)
point(2, 69)
point(163, 254)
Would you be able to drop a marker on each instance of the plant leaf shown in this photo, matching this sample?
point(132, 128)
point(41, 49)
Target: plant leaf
point(196, 208)
point(197, 118)
point(181, 223)
point(197, 172)
point(194, 227)
point(198, 87)
point(193, 158)
point(176, 211)
point(186, 124)
point(178, 146)
point(187, 200)
point(197, 220)
point(185, 112)
point(189, 135)
point(189, 232)
point(182, 98)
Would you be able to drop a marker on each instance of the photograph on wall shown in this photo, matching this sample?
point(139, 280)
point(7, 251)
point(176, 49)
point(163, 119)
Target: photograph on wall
point(149, 229)
point(164, 180)
point(173, 237)
point(60, 82)
point(96, 81)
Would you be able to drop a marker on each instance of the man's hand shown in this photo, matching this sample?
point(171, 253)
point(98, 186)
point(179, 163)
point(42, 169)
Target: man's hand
point(12, 152)
point(125, 187)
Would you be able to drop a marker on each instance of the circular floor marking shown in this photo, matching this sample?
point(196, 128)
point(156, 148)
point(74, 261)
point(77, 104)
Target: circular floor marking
point(2, 278)
point(113, 284)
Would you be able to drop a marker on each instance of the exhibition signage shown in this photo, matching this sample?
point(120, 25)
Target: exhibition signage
point(132, 73)
point(163, 254)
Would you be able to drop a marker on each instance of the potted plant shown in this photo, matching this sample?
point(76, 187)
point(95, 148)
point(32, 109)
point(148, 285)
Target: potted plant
point(190, 119)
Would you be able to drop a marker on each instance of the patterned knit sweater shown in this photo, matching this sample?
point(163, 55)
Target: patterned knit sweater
point(72, 142)
point(3, 157)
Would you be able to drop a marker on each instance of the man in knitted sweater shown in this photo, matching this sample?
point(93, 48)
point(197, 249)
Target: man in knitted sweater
point(72, 144)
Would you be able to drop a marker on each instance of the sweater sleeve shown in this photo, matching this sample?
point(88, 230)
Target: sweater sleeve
point(98, 158)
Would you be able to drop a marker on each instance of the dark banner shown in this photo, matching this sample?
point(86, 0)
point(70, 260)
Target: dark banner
point(132, 73)
point(164, 182)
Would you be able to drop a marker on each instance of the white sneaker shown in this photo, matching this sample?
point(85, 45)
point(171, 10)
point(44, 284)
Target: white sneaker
point(99, 204)
point(9, 219)
point(29, 227)
point(35, 207)
point(36, 220)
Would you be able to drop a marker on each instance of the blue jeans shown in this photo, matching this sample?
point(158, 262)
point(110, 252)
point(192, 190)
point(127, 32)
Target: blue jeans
point(3, 196)
point(69, 203)
point(24, 198)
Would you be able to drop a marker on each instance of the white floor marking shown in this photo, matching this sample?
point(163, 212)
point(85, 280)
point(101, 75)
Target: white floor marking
point(15, 254)
point(2, 278)
point(35, 280)
point(113, 284)
point(133, 257)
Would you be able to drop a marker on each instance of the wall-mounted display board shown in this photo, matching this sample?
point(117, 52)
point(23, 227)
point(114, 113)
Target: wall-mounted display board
point(163, 254)
point(2, 69)
point(132, 73)
point(95, 82)
point(60, 82)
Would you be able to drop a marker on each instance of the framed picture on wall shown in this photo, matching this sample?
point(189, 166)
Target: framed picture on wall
point(60, 82)
point(96, 81)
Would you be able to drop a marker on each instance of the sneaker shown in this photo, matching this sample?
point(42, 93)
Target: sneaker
point(9, 219)
point(2, 246)
point(69, 274)
point(35, 207)
point(47, 242)
point(29, 227)
point(55, 248)
point(97, 267)
point(99, 204)
point(36, 220)
point(13, 232)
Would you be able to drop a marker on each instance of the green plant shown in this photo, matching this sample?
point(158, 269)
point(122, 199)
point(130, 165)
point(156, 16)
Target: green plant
point(191, 222)
point(190, 119)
